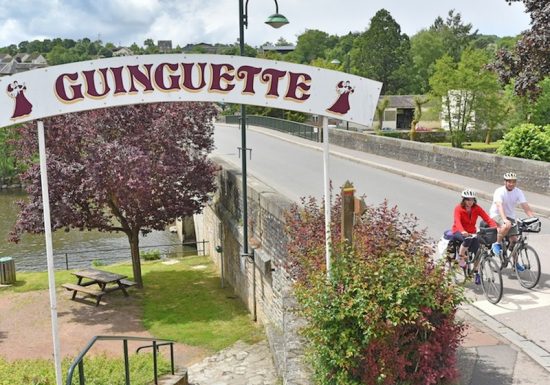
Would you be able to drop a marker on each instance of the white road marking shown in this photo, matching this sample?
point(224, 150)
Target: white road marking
point(512, 303)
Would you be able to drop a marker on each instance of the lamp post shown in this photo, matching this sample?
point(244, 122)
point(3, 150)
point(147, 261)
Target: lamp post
point(276, 21)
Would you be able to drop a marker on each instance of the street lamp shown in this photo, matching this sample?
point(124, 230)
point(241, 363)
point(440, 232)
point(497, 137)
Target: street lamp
point(276, 21)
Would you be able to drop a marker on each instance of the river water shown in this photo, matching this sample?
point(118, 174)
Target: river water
point(75, 248)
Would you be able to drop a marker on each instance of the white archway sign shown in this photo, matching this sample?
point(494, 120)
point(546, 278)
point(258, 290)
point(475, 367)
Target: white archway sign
point(101, 83)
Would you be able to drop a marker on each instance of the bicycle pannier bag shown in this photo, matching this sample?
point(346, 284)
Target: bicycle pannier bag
point(487, 236)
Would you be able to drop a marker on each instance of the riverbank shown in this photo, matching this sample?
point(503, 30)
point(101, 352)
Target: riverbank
point(75, 248)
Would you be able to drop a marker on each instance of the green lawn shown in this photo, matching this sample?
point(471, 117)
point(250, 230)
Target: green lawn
point(182, 302)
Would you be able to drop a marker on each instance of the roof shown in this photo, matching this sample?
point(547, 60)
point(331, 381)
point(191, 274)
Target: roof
point(399, 101)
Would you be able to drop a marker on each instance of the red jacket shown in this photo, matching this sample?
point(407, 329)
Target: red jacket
point(464, 221)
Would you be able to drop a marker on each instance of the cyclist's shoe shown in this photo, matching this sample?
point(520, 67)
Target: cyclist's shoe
point(477, 279)
point(519, 267)
point(496, 248)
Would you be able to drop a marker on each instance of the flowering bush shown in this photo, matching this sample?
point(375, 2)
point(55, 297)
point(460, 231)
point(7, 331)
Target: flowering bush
point(387, 314)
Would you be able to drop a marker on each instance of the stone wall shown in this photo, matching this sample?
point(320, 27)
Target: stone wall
point(535, 175)
point(261, 282)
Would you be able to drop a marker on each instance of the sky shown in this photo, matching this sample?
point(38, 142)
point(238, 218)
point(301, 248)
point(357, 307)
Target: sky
point(123, 22)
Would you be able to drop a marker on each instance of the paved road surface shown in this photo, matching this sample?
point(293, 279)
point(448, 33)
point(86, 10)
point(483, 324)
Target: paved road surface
point(294, 167)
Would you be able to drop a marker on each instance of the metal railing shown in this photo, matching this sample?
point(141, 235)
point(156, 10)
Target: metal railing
point(79, 361)
point(293, 128)
point(200, 249)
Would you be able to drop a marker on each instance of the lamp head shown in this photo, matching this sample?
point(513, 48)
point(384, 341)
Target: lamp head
point(276, 20)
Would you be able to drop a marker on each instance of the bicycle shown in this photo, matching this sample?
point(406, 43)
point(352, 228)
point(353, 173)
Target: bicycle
point(523, 258)
point(482, 262)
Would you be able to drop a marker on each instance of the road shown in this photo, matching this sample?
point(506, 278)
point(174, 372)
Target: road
point(296, 170)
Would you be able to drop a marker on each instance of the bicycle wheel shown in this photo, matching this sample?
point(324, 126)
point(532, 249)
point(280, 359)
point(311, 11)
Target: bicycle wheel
point(529, 260)
point(456, 273)
point(491, 279)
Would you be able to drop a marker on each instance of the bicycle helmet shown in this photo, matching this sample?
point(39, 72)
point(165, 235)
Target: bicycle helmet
point(510, 176)
point(468, 193)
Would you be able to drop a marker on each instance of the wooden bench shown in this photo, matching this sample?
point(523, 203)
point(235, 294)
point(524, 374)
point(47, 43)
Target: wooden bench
point(127, 283)
point(84, 289)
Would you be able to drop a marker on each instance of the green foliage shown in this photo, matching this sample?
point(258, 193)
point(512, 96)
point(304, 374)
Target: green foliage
point(387, 314)
point(392, 56)
point(150, 255)
point(527, 141)
point(540, 109)
point(312, 44)
point(97, 263)
point(99, 370)
point(9, 167)
point(464, 88)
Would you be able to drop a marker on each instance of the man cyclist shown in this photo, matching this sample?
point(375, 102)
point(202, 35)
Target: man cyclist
point(505, 200)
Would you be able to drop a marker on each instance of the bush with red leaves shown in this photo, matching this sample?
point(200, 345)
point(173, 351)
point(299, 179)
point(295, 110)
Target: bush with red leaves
point(387, 314)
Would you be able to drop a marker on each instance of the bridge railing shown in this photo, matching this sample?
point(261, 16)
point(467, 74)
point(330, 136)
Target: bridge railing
point(293, 128)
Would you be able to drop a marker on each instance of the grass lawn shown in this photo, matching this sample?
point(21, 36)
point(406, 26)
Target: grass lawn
point(182, 302)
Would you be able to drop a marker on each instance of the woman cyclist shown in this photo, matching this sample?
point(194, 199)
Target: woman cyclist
point(466, 214)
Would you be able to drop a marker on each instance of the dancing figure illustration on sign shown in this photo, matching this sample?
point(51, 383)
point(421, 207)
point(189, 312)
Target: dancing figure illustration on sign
point(341, 105)
point(22, 106)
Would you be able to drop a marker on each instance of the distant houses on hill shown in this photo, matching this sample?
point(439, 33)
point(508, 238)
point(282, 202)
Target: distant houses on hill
point(10, 65)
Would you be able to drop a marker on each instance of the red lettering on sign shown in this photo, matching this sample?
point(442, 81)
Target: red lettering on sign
point(61, 92)
point(296, 85)
point(143, 78)
point(159, 77)
point(220, 79)
point(91, 89)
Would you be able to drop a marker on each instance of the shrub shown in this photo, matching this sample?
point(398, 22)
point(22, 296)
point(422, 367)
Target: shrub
point(150, 255)
point(527, 141)
point(387, 314)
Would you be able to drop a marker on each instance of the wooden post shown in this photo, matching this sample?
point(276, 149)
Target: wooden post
point(348, 208)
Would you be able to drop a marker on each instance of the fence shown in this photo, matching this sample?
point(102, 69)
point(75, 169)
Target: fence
point(120, 254)
point(293, 128)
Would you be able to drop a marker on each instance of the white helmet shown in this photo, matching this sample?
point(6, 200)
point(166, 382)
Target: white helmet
point(510, 176)
point(468, 193)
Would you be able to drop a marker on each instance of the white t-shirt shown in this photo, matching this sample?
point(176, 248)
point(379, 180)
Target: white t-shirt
point(508, 199)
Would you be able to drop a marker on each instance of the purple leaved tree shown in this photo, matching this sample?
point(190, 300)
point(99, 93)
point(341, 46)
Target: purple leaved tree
point(131, 169)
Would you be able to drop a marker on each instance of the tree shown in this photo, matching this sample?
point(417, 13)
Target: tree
point(419, 101)
point(381, 51)
point(426, 47)
point(462, 88)
point(132, 169)
point(380, 108)
point(529, 63)
point(456, 35)
point(539, 110)
point(312, 44)
point(450, 36)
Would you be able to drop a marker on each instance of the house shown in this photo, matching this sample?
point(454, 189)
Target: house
point(282, 49)
point(21, 62)
point(400, 112)
point(123, 51)
point(164, 46)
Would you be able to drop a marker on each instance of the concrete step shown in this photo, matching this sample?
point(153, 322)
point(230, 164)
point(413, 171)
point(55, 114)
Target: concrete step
point(179, 378)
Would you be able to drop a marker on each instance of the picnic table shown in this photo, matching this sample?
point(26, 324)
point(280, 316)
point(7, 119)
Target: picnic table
point(106, 281)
